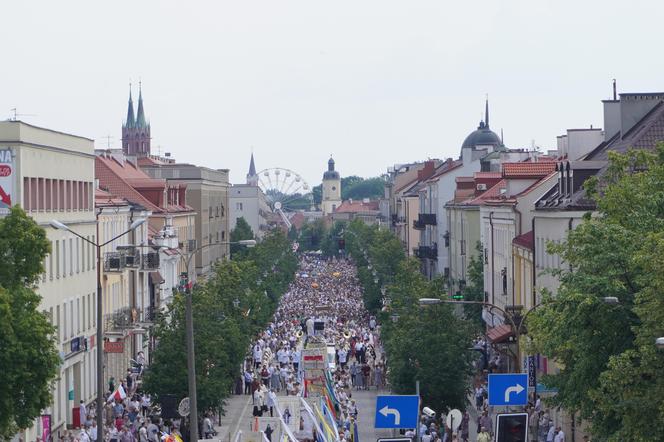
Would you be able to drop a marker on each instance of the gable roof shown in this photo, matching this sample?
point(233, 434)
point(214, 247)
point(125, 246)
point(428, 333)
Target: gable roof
point(526, 240)
point(538, 169)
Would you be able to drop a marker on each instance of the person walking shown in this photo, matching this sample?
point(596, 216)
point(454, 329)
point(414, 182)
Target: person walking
point(484, 435)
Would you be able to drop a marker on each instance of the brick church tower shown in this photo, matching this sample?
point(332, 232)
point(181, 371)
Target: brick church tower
point(136, 131)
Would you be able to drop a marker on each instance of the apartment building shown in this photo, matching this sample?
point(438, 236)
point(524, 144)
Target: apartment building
point(53, 178)
point(248, 201)
point(207, 193)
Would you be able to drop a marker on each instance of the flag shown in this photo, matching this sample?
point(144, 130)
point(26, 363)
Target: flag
point(329, 417)
point(354, 436)
point(328, 432)
point(320, 437)
point(118, 395)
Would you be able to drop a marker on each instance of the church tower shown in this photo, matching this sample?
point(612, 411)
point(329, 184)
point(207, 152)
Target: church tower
point(252, 178)
point(136, 131)
point(331, 189)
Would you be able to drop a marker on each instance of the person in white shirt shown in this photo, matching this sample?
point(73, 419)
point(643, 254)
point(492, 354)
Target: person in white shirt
point(560, 435)
point(83, 436)
point(550, 434)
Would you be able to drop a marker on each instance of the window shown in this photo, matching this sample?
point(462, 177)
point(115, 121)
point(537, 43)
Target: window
point(84, 313)
point(48, 194)
point(61, 195)
point(238, 206)
point(78, 255)
point(72, 318)
point(33, 194)
point(26, 194)
point(40, 194)
point(64, 321)
point(71, 256)
point(94, 256)
point(64, 258)
point(50, 265)
point(57, 323)
point(78, 315)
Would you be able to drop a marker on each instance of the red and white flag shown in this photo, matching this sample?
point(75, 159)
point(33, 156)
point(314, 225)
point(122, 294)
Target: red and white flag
point(119, 394)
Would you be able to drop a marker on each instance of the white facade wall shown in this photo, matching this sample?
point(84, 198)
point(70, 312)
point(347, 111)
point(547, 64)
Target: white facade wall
point(250, 203)
point(44, 159)
point(446, 186)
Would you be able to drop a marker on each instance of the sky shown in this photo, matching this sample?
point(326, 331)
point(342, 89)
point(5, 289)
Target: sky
point(371, 82)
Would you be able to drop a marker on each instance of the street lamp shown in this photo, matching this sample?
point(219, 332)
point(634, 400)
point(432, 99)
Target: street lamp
point(189, 326)
point(100, 335)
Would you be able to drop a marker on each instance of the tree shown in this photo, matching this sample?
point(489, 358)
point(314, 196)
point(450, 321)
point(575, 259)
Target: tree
point(611, 370)
point(242, 231)
point(234, 304)
point(474, 288)
point(28, 355)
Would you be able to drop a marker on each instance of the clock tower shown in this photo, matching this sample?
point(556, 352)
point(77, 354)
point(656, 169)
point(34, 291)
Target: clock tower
point(331, 189)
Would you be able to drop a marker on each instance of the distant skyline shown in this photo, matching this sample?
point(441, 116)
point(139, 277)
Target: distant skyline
point(373, 83)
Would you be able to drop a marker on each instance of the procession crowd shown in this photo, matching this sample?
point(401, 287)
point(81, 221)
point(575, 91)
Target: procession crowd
point(323, 305)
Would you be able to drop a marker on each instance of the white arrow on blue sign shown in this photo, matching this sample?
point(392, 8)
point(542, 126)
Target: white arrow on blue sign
point(508, 389)
point(397, 411)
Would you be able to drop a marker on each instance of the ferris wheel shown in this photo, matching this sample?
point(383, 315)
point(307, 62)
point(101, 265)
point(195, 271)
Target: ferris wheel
point(285, 189)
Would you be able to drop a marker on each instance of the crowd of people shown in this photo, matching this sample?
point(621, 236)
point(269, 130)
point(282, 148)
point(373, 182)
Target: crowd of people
point(323, 305)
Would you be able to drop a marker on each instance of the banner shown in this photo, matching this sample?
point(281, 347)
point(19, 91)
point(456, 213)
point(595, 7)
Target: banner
point(7, 176)
point(46, 427)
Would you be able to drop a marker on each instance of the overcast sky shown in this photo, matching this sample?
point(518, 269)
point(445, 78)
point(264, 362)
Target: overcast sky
point(372, 82)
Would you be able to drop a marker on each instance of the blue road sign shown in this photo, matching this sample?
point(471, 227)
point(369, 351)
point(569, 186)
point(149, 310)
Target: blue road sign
point(397, 411)
point(508, 389)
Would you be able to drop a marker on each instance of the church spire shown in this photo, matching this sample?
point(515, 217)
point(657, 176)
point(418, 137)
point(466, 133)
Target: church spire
point(140, 115)
point(131, 121)
point(252, 166)
point(486, 113)
point(252, 178)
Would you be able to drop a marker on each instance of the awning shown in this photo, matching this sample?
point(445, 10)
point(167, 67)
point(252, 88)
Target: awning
point(156, 278)
point(500, 333)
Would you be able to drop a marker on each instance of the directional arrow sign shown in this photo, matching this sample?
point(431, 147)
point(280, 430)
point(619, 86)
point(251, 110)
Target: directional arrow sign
point(508, 389)
point(396, 411)
point(386, 410)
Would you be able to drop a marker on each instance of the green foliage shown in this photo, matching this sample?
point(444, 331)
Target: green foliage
point(241, 232)
point(355, 187)
point(426, 344)
point(474, 289)
point(236, 302)
point(28, 355)
point(611, 368)
point(312, 235)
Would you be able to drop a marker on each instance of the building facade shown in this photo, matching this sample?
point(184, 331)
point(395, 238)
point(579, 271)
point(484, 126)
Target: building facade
point(207, 192)
point(53, 178)
point(249, 202)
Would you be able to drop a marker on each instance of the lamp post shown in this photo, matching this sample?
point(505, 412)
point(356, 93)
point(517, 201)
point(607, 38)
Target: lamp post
point(100, 332)
point(189, 327)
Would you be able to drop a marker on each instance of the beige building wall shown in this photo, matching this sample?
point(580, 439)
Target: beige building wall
point(208, 194)
point(331, 195)
point(54, 179)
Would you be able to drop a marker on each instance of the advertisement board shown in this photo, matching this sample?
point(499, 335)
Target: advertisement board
point(7, 178)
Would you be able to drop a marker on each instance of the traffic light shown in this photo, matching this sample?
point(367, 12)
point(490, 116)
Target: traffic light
point(458, 296)
point(512, 427)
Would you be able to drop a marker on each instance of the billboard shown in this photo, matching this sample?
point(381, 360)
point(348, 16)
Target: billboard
point(7, 178)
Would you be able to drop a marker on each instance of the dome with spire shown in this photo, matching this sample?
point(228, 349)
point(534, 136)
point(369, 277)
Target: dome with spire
point(483, 136)
point(331, 174)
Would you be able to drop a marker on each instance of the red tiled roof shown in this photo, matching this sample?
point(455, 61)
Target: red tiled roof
point(527, 240)
point(122, 178)
point(357, 207)
point(106, 199)
point(538, 169)
point(487, 175)
point(492, 192)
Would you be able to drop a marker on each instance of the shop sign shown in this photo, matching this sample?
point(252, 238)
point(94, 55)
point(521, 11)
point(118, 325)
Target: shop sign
point(114, 347)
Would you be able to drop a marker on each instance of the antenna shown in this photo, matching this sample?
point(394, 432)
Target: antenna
point(15, 115)
point(108, 141)
point(614, 90)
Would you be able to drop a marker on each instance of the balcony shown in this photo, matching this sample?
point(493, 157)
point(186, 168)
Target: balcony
point(132, 258)
point(150, 314)
point(427, 252)
point(122, 318)
point(150, 261)
point(418, 225)
point(115, 262)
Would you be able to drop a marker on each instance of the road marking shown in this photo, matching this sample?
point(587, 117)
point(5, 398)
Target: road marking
point(239, 421)
point(518, 388)
point(386, 410)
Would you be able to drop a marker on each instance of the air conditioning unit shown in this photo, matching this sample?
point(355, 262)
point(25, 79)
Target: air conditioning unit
point(481, 186)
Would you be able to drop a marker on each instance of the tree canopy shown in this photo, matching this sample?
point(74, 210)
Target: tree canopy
point(610, 367)
point(28, 355)
point(429, 344)
point(241, 231)
point(355, 187)
point(229, 310)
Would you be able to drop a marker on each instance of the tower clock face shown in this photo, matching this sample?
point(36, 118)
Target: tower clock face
point(334, 187)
